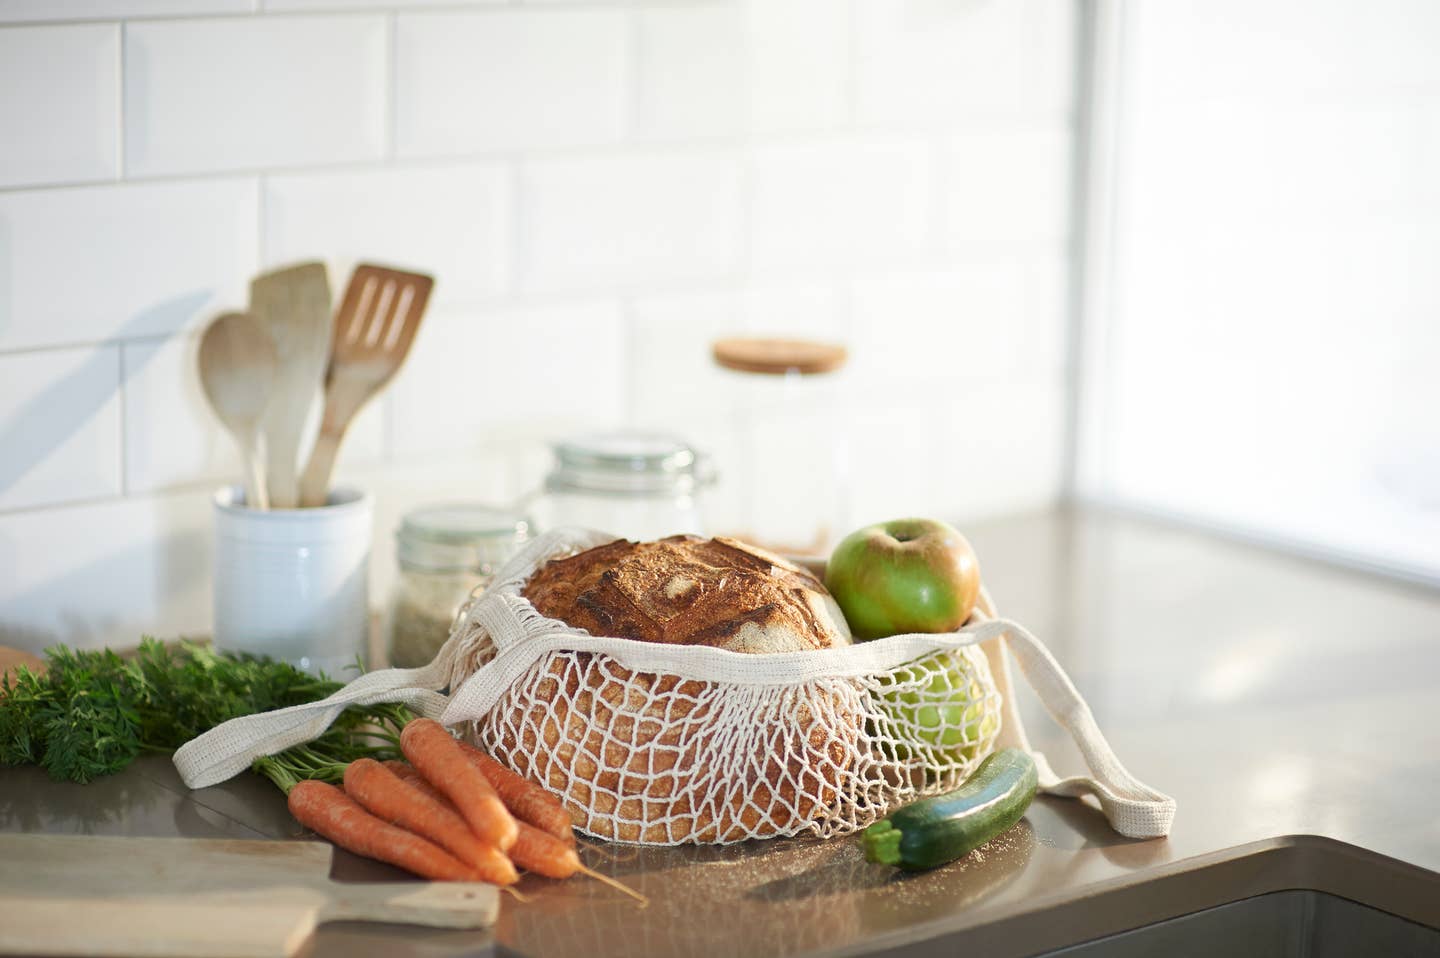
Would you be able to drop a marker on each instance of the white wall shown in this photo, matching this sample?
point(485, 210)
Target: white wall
point(600, 187)
point(1264, 338)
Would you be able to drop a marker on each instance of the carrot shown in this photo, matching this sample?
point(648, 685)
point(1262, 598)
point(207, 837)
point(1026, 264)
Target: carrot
point(411, 776)
point(338, 817)
point(386, 795)
point(534, 850)
point(544, 854)
point(526, 800)
point(437, 756)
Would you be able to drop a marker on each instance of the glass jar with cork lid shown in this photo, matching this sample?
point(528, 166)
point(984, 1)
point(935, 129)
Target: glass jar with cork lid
point(444, 553)
point(789, 483)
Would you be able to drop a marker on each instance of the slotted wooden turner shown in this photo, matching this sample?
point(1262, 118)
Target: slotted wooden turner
point(216, 898)
point(373, 330)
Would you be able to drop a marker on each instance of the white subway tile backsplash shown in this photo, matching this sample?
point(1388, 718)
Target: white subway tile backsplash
point(115, 262)
point(841, 202)
point(960, 323)
point(939, 64)
point(1002, 450)
point(674, 380)
point(675, 385)
point(611, 221)
point(894, 462)
point(106, 573)
point(22, 10)
point(467, 82)
point(1007, 451)
point(795, 310)
point(171, 436)
point(452, 222)
point(534, 371)
point(892, 176)
point(691, 72)
point(1049, 82)
point(366, 442)
point(223, 94)
point(59, 104)
point(59, 426)
point(1047, 304)
point(1008, 189)
point(798, 55)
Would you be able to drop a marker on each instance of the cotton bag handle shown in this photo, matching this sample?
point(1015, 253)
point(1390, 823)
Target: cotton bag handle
point(229, 748)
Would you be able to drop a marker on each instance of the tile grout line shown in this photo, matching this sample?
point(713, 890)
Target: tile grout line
point(515, 296)
point(121, 154)
point(1082, 258)
point(634, 83)
point(257, 11)
point(122, 391)
point(262, 213)
point(392, 86)
point(743, 269)
point(841, 135)
point(627, 350)
point(514, 230)
point(190, 488)
point(852, 66)
point(938, 222)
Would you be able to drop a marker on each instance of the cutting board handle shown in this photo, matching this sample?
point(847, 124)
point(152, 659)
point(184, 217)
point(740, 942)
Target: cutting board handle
point(436, 904)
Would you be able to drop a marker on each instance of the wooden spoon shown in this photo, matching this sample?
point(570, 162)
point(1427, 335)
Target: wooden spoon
point(374, 328)
point(238, 364)
point(294, 305)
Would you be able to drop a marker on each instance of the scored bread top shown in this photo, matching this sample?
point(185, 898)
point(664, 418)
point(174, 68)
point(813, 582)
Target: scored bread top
point(685, 590)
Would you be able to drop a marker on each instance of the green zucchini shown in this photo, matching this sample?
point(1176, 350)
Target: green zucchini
point(941, 828)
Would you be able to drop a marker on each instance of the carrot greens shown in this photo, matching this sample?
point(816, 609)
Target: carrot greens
point(92, 713)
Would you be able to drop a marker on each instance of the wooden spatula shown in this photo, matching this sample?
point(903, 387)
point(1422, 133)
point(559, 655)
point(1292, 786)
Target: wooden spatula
point(238, 365)
point(374, 328)
point(294, 305)
point(207, 898)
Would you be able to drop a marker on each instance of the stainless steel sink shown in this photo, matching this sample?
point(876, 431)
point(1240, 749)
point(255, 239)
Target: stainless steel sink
point(1300, 896)
point(1282, 924)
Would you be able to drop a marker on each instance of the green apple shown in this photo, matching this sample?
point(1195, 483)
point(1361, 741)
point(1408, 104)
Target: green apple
point(937, 705)
point(906, 575)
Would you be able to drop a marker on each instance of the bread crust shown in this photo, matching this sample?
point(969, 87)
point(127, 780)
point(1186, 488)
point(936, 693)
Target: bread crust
point(684, 590)
point(641, 757)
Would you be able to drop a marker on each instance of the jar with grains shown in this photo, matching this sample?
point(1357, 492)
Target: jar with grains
point(444, 552)
point(638, 485)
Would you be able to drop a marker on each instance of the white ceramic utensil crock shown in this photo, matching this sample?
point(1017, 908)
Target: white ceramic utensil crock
point(292, 583)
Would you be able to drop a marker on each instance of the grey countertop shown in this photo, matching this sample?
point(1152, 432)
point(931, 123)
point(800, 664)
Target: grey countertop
point(1288, 706)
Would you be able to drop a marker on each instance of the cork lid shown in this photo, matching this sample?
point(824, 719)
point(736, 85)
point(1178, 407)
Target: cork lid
point(778, 356)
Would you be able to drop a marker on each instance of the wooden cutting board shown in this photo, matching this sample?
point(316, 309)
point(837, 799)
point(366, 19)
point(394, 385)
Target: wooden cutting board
point(207, 898)
point(10, 659)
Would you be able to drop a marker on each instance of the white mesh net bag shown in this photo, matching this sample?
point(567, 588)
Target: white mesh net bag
point(666, 744)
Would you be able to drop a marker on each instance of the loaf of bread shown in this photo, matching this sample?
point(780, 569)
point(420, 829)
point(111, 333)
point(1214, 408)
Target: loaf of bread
point(685, 590)
point(658, 758)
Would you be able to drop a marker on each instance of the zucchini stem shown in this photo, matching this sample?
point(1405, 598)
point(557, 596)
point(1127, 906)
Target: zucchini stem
point(882, 843)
